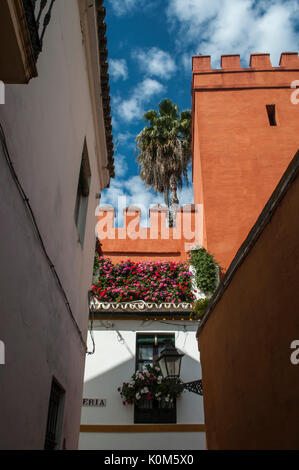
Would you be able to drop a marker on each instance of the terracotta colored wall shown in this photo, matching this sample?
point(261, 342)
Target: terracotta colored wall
point(238, 158)
point(251, 389)
point(155, 242)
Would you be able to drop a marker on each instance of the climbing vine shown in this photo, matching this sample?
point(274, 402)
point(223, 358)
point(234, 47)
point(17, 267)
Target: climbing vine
point(206, 270)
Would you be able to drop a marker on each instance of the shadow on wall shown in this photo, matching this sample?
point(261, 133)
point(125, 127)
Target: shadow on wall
point(105, 385)
point(190, 368)
point(108, 382)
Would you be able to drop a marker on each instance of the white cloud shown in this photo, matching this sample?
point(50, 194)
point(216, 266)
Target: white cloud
point(114, 123)
point(127, 7)
point(155, 62)
point(131, 108)
point(132, 192)
point(185, 195)
point(126, 139)
point(118, 69)
point(235, 26)
point(123, 7)
point(127, 109)
point(121, 166)
point(148, 88)
point(186, 60)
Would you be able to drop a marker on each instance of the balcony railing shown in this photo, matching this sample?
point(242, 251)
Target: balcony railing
point(38, 16)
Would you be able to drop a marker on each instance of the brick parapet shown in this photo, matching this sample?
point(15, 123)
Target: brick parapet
point(157, 241)
point(260, 73)
point(186, 218)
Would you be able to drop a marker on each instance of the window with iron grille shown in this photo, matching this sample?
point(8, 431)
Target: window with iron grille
point(55, 417)
point(148, 349)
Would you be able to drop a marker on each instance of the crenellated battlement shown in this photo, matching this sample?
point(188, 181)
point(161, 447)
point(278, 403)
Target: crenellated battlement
point(136, 241)
point(258, 61)
point(186, 219)
point(259, 74)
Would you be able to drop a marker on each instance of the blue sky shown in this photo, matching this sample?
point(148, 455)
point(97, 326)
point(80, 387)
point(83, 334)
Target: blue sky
point(150, 46)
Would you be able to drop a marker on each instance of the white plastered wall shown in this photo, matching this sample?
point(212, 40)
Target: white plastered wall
point(114, 362)
point(45, 123)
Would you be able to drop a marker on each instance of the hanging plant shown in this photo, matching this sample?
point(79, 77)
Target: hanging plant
point(206, 270)
point(149, 384)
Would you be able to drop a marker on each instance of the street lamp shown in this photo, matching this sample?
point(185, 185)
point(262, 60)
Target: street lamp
point(170, 364)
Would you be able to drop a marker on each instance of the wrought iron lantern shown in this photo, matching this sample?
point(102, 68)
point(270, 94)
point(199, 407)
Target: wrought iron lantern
point(170, 361)
point(170, 364)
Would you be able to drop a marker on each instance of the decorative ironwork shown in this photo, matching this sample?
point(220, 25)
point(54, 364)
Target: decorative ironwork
point(195, 387)
point(37, 21)
point(153, 411)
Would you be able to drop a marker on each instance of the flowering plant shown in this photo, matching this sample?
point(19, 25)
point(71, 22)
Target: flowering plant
point(162, 281)
point(149, 384)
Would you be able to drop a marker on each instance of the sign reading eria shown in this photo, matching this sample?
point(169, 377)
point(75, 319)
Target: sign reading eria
point(94, 401)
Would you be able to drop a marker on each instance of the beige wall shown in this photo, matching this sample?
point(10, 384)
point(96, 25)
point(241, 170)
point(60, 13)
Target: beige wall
point(45, 123)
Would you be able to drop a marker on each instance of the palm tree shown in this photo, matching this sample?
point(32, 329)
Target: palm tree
point(164, 150)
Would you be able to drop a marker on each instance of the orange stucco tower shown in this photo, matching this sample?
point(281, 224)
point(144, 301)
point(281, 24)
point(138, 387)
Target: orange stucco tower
point(245, 133)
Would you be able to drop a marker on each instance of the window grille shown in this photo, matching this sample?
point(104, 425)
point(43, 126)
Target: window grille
point(148, 349)
point(55, 414)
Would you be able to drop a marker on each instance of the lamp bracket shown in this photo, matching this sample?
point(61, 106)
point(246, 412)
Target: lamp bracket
point(195, 387)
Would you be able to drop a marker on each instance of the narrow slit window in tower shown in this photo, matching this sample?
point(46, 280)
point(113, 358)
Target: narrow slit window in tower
point(271, 114)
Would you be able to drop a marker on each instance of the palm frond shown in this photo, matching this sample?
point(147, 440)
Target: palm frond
point(168, 108)
point(150, 116)
point(165, 148)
